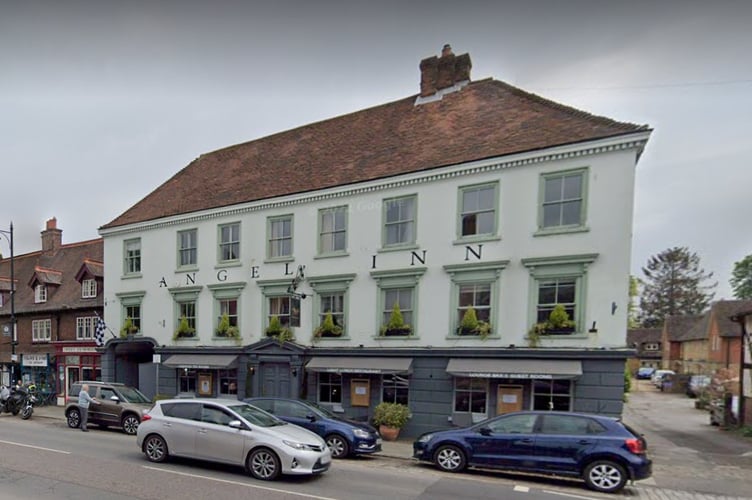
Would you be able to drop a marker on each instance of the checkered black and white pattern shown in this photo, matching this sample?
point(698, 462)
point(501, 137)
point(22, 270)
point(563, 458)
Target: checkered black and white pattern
point(99, 332)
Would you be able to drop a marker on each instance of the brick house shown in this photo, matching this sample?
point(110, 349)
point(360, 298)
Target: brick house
point(647, 345)
point(59, 295)
point(469, 195)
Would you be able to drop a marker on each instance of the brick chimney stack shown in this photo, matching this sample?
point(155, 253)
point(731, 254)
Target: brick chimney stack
point(438, 73)
point(52, 238)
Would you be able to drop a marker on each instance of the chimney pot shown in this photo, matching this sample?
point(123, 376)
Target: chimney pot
point(438, 73)
point(52, 238)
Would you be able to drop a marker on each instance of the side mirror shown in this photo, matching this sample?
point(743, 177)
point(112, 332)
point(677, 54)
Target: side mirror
point(485, 431)
point(235, 424)
point(114, 399)
point(311, 417)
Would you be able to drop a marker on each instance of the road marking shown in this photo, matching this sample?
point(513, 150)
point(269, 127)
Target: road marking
point(570, 495)
point(523, 489)
point(238, 483)
point(35, 447)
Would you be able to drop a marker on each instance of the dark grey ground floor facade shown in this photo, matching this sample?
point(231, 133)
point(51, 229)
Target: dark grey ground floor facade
point(442, 387)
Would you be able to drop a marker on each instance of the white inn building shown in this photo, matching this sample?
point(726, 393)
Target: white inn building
point(468, 196)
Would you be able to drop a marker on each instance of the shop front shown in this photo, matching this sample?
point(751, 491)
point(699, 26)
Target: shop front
point(204, 375)
point(75, 362)
point(39, 369)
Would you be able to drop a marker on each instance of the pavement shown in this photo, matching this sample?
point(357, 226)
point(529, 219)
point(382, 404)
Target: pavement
point(691, 459)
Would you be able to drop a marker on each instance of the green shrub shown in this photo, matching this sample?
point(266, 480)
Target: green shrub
point(391, 415)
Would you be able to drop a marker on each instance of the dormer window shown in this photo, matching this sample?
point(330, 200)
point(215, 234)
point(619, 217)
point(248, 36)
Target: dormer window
point(89, 289)
point(40, 293)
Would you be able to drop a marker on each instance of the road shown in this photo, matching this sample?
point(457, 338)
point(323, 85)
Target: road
point(43, 460)
point(689, 455)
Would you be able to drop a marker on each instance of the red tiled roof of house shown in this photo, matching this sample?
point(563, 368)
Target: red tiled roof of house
point(485, 119)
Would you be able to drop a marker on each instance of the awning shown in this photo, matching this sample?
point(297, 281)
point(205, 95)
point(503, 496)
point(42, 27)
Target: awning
point(332, 364)
point(515, 368)
point(207, 361)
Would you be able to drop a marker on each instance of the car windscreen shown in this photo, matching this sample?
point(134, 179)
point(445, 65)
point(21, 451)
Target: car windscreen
point(133, 395)
point(256, 416)
point(325, 411)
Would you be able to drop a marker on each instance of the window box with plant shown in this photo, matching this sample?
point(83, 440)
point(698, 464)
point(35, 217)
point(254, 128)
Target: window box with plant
point(226, 330)
point(185, 330)
point(558, 323)
point(396, 327)
point(472, 326)
point(278, 331)
point(328, 328)
point(390, 418)
point(128, 328)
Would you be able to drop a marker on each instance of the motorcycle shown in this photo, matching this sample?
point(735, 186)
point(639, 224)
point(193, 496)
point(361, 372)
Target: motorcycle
point(17, 400)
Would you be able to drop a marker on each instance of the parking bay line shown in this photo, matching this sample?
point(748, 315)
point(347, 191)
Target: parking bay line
point(36, 447)
point(238, 483)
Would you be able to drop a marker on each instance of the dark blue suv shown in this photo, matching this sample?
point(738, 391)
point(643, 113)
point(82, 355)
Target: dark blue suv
point(600, 450)
point(343, 436)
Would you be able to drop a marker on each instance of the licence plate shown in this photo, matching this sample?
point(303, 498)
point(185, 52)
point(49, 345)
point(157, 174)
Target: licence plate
point(378, 441)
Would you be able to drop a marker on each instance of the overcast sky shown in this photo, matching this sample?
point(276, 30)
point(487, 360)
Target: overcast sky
point(101, 102)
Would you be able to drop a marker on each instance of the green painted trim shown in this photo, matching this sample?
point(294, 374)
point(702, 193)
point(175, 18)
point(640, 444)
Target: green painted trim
point(322, 211)
point(398, 278)
point(585, 171)
point(397, 248)
point(402, 245)
point(561, 230)
point(469, 240)
point(275, 218)
point(564, 266)
point(127, 274)
point(458, 215)
point(131, 297)
point(331, 255)
point(226, 290)
point(193, 265)
point(185, 293)
point(228, 262)
point(331, 284)
point(474, 273)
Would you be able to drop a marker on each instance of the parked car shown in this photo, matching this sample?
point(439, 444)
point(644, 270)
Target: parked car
point(231, 432)
point(697, 384)
point(602, 451)
point(657, 377)
point(645, 372)
point(343, 436)
point(120, 406)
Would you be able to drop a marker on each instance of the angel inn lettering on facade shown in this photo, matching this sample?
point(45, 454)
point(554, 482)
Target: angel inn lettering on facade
point(469, 200)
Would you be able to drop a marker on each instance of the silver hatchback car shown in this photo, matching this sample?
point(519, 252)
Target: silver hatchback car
point(231, 432)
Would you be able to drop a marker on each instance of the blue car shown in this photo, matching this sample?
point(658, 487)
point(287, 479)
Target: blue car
point(602, 451)
point(343, 436)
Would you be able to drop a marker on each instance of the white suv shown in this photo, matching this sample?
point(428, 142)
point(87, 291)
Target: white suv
point(231, 432)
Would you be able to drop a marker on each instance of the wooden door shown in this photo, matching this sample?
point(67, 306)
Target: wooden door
point(508, 398)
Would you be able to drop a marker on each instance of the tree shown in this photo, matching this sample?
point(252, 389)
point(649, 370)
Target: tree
point(674, 285)
point(741, 278)
point(634, 291)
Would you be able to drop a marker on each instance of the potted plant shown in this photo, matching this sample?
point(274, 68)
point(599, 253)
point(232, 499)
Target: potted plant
point(558, 322)
point(225, 329)
point(390, 417)
point(128, 328)
point(184, 329)
point(471, 325)
point(328, 328)
point(396, 325)
point(277, 331)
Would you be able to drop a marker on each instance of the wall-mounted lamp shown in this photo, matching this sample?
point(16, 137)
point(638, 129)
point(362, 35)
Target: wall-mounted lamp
point(613, 308)
point(294, 372)
point(293, 288)
point(252, 370)
point(185, 371)
point(593, 329)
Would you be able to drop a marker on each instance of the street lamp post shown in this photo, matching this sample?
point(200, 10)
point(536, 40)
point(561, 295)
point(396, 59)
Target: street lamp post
point(14, 338)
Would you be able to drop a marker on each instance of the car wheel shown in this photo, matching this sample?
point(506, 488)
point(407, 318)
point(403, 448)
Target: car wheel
point(605, 476)
point(74, 418)
point(450, 458)
point(263, 464)
point(130, 424)
point(338, 446)
point(155, 448)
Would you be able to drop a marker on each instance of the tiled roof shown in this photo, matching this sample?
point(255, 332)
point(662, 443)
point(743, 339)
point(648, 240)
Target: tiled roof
point(66, 261)
point(700, 330)
point(641, 336)
point(485, 119)
point(90, 269)
point(678, 326)
point(724, 309)
point(46, 276)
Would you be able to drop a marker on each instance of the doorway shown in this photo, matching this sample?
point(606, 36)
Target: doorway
point(508, 399)
point(275, 379)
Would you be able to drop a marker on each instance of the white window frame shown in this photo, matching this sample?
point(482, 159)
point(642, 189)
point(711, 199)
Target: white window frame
point(41, 330)
point(329, 230)
point(580, 225)
point(40, 293)
point(275, 240)
point(475, 211)
point(86, 327)
point(89, 288)
point(402, 220)
point(187, 248)
point(229, 242)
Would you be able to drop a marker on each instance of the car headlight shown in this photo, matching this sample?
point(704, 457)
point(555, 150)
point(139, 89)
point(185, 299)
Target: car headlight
point(299, 446)
point(360, 433)
point(424, 438)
